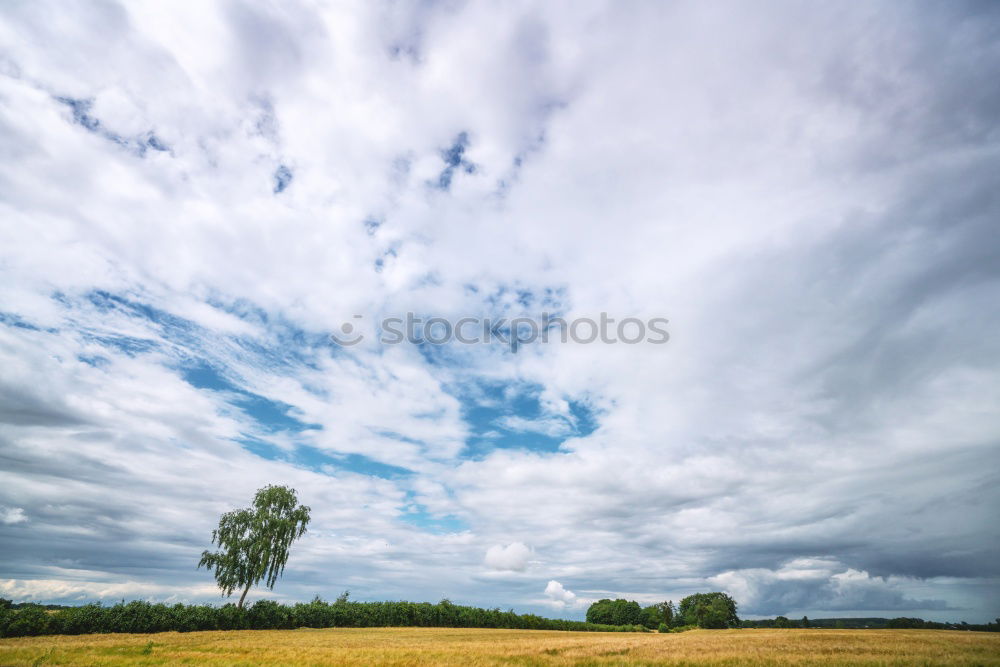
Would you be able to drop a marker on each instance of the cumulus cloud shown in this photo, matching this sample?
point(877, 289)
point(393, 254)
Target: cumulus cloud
point(558, 595)
point(12, 515)
point(513, 557)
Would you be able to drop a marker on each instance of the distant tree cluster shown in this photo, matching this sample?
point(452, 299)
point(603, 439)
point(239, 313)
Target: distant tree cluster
point(921, 624)
point(873, 623)
point(703, 610)
point(10, 604)
point(709, 610)
point(785, 622)
point(615, 612)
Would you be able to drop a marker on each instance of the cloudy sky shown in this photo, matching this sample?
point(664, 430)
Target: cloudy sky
point(192, 198)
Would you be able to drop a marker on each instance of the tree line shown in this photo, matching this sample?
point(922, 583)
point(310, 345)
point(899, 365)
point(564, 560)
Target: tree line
point(145, 617)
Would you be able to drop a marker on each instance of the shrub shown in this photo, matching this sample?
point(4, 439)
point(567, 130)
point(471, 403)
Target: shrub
point(5, 615)
point(138, 616)
point(231, 617)
point(79, 620)
point(269, 615)
point(315, 614)
point(28, 622)
point(663, 628)
point(195, 617)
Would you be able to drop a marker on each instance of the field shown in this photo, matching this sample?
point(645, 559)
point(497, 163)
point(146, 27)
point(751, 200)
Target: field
point(449, 646)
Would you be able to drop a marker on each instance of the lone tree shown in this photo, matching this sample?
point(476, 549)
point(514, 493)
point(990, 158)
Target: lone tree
point(254, 542)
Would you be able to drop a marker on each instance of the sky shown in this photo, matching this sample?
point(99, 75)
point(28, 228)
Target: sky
point(194, 196)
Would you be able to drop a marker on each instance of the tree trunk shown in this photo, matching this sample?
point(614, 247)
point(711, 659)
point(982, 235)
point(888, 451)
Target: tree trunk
point(243, 597)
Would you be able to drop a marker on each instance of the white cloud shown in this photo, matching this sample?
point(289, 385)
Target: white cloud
point(552, 426)
point(11, 515)
point(80, 591)
point(513, 557)
point(560, 596)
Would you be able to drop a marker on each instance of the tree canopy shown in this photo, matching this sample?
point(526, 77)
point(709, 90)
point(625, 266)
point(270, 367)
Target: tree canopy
point(254, 542)
point(709, 610)
point(615, 612)
point(658, 614)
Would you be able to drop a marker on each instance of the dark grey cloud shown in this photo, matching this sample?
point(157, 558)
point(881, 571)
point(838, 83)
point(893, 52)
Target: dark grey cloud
point(20, 407)
point(826, 591)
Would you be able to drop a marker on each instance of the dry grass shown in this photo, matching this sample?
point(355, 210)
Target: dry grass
point(446, 646)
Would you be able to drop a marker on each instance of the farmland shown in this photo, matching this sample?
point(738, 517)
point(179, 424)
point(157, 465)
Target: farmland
point(453, 646)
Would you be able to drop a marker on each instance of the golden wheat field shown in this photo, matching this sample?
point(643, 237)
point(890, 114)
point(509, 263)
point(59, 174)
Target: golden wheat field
point(448, 646)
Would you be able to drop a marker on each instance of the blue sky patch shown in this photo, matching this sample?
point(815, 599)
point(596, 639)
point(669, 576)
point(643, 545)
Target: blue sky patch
point(137, 145)
point(454, 159)
point(282, 179)
point(318, 460)
point(356, 463)
point(14, 320)
point(510, 416)
point(290, 349)
point(418, 516)
point(130, 345)
point(273, 416)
